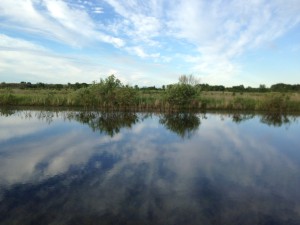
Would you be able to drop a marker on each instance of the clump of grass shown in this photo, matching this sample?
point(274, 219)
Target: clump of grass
point(243, 103)
point(274, 103)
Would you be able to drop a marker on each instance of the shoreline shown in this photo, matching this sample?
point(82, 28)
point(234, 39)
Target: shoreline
point(156, 101)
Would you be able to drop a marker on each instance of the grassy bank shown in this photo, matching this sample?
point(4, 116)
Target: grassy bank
point(272, 101)
point(153, 100)
point(113, 95)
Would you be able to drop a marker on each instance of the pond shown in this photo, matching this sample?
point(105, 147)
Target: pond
point(88, 167)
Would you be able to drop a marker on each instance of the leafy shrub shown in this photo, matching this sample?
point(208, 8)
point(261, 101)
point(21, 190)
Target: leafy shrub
point(180, 94)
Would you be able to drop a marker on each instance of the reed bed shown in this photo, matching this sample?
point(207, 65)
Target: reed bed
point(152, 100)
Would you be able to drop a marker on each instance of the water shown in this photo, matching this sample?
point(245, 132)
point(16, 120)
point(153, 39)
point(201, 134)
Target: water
point(73, 167)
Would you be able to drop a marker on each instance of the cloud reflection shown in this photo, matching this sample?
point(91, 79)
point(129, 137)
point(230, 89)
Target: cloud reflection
point(225, 173)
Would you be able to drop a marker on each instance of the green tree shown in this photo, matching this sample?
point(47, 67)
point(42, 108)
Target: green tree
point(110, 92)
point(262, 88)
point(126, 96)
point(106, 90)
point(189, 79)
point(182, 93)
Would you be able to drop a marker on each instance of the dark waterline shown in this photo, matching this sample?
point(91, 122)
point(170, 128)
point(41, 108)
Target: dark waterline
point(72, 167)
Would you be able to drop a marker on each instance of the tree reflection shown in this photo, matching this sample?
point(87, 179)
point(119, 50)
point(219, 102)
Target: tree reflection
point(240, 117)
point(110, 123)
point(6, 112)
point(107, 122)
point(183, 124)
point(45, 115)
point(276, 119)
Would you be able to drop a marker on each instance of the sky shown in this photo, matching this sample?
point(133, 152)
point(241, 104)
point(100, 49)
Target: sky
point(221, 42)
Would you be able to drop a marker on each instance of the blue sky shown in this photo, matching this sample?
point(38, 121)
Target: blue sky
point(228, 42)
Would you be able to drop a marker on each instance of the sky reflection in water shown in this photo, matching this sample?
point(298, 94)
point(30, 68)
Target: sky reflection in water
point(115, 168)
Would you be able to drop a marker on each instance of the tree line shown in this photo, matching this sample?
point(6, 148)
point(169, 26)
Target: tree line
point(279, 87)
point(40, 85)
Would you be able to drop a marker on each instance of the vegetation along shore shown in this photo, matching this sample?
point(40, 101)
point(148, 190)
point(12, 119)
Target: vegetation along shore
point(187, 94)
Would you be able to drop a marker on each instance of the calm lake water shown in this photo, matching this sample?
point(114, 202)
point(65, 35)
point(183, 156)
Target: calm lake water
point(72, 167)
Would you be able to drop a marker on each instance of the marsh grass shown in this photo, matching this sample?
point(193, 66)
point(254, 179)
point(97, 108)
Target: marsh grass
point(151, 100)
point(280, 102)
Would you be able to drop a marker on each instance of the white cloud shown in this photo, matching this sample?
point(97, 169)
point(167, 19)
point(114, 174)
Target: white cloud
point(7, 131)
point(98, 10)
point(58, 151)
point(71, 19)
point(217, 32)
point(139, 51)
point(7, 42)
point(222, 31)
point(54, 19)
point(142, 21)
point(28, 61)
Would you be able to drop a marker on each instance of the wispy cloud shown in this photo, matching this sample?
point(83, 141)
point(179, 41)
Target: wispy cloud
point(222, 31)
point(7, 43)
point(139, 51)
point(31, 61)
point(22, 60)
point(54, 19)
point(206, 37)
point(98, 10)
point(219, 30)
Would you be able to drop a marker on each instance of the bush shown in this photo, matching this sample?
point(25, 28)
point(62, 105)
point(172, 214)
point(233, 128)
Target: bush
point(180, 94)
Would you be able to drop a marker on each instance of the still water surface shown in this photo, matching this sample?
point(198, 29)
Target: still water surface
point(72, 167)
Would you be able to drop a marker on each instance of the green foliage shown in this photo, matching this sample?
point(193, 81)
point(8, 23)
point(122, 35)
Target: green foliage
point(280, 87)
point(86, 97)
point(126, 96)
point(276, 103)
point(29, 86)
point(180, 94)
point(239, 88)
point(244, 103)
point(207, 87)
point(110, 83)
point(105, 91)
point(111, 94)
point(8, 99)
point(262, 88)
